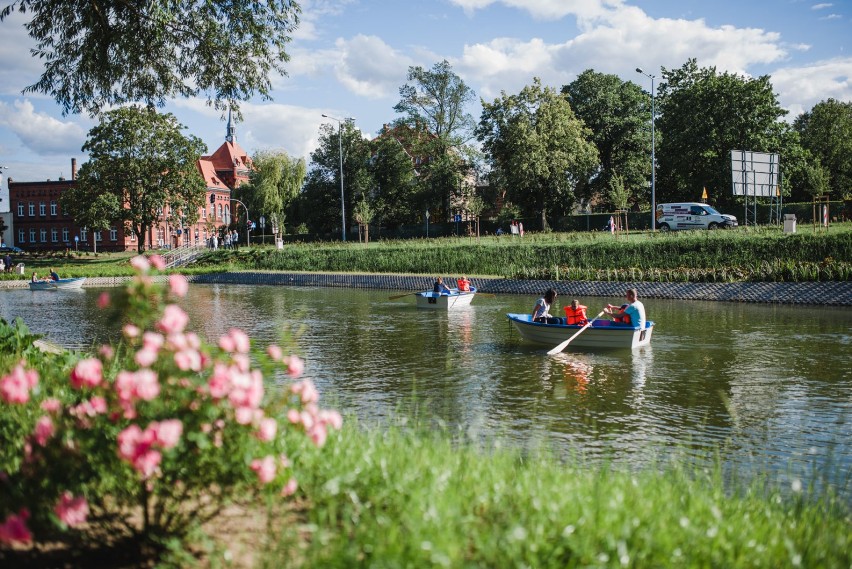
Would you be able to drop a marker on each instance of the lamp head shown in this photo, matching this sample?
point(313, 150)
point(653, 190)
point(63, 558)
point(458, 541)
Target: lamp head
point(638, 70)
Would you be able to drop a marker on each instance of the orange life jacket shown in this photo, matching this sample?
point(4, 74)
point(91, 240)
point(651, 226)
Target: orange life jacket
point(576, 316)
point(623, 318)
point(464, 285)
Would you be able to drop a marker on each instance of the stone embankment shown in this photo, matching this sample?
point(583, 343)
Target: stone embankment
point(815, 293)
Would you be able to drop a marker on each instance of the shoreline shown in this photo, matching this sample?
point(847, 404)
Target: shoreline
point(805, 293)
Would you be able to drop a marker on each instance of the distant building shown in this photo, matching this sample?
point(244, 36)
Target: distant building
point(39, 224)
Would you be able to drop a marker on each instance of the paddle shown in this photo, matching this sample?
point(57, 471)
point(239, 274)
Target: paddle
point(564, 344)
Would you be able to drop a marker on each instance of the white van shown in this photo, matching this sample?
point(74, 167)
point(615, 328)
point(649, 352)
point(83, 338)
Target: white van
point(691, 215)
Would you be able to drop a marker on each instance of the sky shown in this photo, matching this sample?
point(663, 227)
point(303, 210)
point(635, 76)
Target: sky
point(350, 57)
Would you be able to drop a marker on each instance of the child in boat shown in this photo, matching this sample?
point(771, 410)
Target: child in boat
point(575, 315)
point(464, 284)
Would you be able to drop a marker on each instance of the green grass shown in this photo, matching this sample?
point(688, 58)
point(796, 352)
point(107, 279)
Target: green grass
point(397, 498)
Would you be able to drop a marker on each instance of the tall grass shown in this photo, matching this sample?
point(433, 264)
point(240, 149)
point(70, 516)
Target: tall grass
point(396, 498)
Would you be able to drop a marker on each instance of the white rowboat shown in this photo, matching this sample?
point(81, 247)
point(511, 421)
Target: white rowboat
point(443, 300)
point(602, 333)
point(61, 284)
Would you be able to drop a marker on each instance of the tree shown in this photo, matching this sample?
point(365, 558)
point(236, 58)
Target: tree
point(274, 185)
point(538, 148)
point(475, 206)
point(619, 193)
point(394, 188)
point(618, 113)
point(364, 214)
point(319, 203)
point(705, 115)
point(99, 53)
point(826, 130)
point(434, 104)
point(140, 158)
point(816, 179)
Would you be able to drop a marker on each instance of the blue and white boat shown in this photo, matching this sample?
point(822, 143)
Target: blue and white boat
point(61, 284)
point(445, 301)
point(603, 333)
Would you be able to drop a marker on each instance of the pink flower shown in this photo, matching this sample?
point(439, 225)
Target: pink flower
point(235, 341)
point(147, 386)
point(318, 433)
point(72, 511)
point(140, 263)
point(174, 320)
point(294, 416)
point(219, 383)
point(168, 432)
point(178, 285)
point(15, 387)
point(265, 468)
point(244, 415)
point(44, 430)
point(135, 447)
point(87, 373)
point(274, 352)
point(289, 488)
point(332, 419)
point(145, 357)
point(51, 405)
point(103, 300)
point(295, 366)
point(106, 352)
point(305, 390)
point(152, 341)
point(268, 428)
point(157, 262)
point(131, 331)
point(147, 463)
point(188, 360)
point(14, 528)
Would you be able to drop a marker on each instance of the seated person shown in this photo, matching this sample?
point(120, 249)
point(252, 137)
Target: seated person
point(53, 275)
point(464, 284)
point(541, 310)
point(632, 313)
point(440, 287)
point(576, 314)
point(35, 278)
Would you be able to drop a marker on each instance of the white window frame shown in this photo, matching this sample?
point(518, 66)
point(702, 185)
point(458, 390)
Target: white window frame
point(54, 235)
point(53, 207)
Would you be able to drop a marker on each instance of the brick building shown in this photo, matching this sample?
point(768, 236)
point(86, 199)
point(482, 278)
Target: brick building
point(39, 224)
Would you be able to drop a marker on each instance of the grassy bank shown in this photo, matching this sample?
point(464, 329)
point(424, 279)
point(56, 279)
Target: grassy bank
point(393, 498)
point(718, 256)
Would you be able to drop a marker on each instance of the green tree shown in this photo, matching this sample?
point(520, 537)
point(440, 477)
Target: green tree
point(274, 185)
point(435, 103)
point(363, 214)
point(319, 203)
point(817, 179)
point(394, 188)
point(703, 116)
point(140, 158)
point(99, 53)
point(538, 148)
point(826, 131)
point(619, 193)
point(618, 114)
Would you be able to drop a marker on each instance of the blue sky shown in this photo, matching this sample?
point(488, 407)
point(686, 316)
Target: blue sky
point(349, 58)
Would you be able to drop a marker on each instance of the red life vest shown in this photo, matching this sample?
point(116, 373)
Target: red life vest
point(464, 285)
point(576, 316)
point(622, 318)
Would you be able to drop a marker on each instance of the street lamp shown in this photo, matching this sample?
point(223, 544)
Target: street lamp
point(263, 228)
point(340, 151)
point(248, 242)
point(653, 160)
point(427, 223)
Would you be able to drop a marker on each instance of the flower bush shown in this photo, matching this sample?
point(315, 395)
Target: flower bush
point(160, 431)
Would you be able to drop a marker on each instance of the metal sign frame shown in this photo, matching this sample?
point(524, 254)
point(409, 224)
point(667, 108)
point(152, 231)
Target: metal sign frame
point(757, 174)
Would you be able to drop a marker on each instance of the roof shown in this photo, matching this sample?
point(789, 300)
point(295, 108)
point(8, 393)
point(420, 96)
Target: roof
point(208, 172)
point(228, 157)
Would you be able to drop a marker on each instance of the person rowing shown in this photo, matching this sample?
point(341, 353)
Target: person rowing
point(632, 313)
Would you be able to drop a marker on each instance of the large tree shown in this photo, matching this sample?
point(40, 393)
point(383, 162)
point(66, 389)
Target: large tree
point(319, 203)
point(826, 130)
point(704, 115)
point(618, 113)
point(139, 157)
point(538, 148)
point(99, 53)
point(434, 104)
point(274, 184)
point(394, 192)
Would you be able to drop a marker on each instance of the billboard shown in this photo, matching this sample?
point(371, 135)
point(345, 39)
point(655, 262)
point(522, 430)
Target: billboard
point(755, 173)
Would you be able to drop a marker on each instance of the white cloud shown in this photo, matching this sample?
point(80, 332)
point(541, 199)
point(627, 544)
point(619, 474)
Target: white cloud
point(40, 132)
point(369, 67)
point(831, 17)
point(800, 88)
point(547, 9)
point(821, 6)
point(19, 68)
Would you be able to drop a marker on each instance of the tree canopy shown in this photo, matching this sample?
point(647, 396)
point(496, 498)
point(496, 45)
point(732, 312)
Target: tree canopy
point(99, 53)
point(274, 185)
point(618, 114)
point(826, 131)
point(140, 168)
point(538, 148)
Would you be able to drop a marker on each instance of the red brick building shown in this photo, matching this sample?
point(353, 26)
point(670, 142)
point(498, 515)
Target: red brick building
point(39, 224)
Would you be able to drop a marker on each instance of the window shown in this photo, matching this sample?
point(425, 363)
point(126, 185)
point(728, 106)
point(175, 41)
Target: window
point(32, 209)
point(43, 235)
point(113, 234)
point(54, 235)
point(220, 211)
point(98, 236)
point(32, 236)
point(204, 213)
point(65, 234)
point(132, 236)
point(42, 209)
point(84, 234)
point(53, 208)
point(20, 210)
point(22, 236)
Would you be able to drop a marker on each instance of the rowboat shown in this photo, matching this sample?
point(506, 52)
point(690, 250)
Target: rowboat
point(602, 333)
point(61, 284)
point(445, 301)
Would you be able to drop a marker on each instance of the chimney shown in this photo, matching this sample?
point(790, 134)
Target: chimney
point(73, 168)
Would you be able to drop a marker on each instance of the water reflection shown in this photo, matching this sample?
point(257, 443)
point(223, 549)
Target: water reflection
point(766, 385)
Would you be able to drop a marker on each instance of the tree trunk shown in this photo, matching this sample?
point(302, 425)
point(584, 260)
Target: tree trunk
point(543, 219)
point(140, 238)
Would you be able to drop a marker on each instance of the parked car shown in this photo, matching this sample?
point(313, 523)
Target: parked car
point(10, 249)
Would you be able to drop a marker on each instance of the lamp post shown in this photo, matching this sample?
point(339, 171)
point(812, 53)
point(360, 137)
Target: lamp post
point(340, 152)
point(653, 160)
point(427, 224)
point(248, 242)
point(263, 228)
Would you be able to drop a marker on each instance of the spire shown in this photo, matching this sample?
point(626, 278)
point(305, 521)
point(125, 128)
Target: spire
point(231, 132)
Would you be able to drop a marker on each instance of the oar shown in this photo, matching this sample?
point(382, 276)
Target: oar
point(564, 344)
point(400, 295)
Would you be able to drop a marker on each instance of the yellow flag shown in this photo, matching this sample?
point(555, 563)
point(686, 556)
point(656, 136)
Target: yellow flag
point(704, 193)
